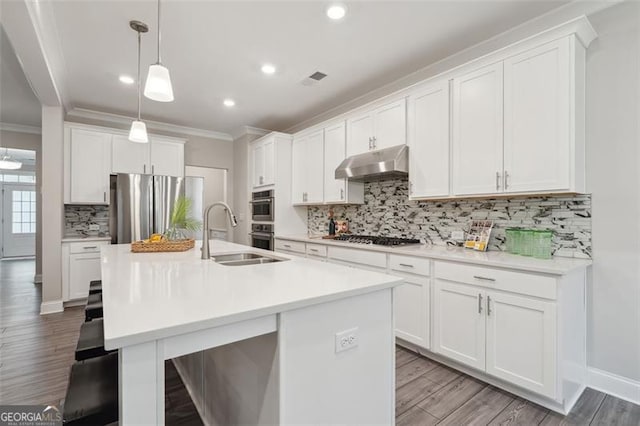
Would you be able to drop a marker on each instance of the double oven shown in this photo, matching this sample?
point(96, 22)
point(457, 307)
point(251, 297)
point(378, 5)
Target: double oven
point(262, 217)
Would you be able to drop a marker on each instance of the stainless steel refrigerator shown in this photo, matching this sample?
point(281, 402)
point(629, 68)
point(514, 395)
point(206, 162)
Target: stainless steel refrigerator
point(141, 205)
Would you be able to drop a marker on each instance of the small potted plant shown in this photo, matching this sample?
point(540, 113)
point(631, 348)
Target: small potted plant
point(181, 220)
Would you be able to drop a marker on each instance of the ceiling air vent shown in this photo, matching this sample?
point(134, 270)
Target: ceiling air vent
point(314, 78)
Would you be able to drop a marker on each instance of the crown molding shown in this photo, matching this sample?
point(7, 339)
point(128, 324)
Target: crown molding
point(152, 125)
point(249, 130)
point(20, 128)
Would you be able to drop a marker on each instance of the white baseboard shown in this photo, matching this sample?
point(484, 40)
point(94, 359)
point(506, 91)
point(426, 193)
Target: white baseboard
point(614, 385)
point(37, 279)
point(51, 307)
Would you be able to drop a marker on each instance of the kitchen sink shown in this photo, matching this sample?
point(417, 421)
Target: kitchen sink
point(242, 259)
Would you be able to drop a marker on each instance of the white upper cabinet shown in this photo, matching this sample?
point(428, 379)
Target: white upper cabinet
point(129, 157)
point(308, 168)
point(87, 165)
point(263, 163)
point(477, 131)
point(537, 111)
point(428, 119)
point(337, 191)
point(160, 156)
point(379, 128)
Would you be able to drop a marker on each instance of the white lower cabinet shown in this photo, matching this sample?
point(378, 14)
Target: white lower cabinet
point(411, 302)
point(80, 265)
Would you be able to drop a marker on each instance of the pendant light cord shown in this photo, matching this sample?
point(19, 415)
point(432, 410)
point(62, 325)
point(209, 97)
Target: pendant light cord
point(139, 41)
point(159, 57)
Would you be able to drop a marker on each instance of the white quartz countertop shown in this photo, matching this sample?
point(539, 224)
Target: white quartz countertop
point(555, 266)
point(148, 296)
point(82, 238)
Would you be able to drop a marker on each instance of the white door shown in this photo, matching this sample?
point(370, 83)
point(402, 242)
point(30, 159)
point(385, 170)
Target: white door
point(315, 167)
point(90, 166)
point(411, 310)
point(269, 162)
point(298, 169)
point(129, 157)
point(477, 132)
point(258, 164)
point(359, 134)
point(334, 154)
point(537, 110)
point(18, 220)
point(429, 141)
point(83, 268)
point(390, 125)
point(459, 323)
point(521, 340)
point(167, 158)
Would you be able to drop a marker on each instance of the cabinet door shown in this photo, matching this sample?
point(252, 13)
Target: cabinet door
point(315, 167)
point(477, 132)
point(429, 142)
point(82, 269)
point(521, 341)
point(391, 125)
point(258, 164)
point(298, 169)
point(129, 157)
point(167, 158)
point(459, 323)
point(90, 158)
point(411, 310)
point(537, 109)
point(334, 154)
point(359, 134)
point(269, 162)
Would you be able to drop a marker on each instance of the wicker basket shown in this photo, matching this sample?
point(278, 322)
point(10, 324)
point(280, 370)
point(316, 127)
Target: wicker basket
point(163, 246)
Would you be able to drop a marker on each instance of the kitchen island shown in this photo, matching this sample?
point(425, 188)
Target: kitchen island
point(297, 340)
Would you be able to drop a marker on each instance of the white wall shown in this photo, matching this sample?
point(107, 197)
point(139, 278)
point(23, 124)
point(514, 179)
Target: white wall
point(31, 142)
point(613, 156)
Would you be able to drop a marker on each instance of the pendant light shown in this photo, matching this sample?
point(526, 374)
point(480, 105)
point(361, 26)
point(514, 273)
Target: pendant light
point(158, 85)
point(138, 132)
point(8, 163)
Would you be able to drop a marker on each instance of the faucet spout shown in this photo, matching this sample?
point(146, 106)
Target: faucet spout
point(205, 226)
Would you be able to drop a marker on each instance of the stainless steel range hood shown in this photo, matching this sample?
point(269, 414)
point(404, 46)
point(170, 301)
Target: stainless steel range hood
point(375, 165)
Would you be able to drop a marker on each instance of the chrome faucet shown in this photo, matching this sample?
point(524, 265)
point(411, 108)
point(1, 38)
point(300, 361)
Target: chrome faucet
point(205, 226)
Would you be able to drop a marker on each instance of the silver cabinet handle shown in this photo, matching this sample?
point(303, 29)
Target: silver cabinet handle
point(370, 142)
point(314, 250)
point(506, 179)
point(342, 194)
point(90, 247)
point(410, 187)
point(479, 303)
point(406, 265)
point(104, 196)
point(286, 245)
point(497, 181)
point(374, 142)
point(478, 277)
point(153, 169)
point(488, 306)
point(144, 169)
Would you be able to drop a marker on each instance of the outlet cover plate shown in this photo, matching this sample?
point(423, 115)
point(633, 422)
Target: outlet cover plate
point(347, 339)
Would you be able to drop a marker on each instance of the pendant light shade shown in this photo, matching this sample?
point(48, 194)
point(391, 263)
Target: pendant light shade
point(158, 85)
point(138, 132)
point(8, 163)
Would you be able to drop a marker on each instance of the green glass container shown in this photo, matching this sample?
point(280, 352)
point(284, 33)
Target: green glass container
point(513, 235)
point(527, 242)
point(542, 244)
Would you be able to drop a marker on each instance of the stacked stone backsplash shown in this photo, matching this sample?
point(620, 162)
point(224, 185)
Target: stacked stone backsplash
point(388, 211)
point(78, 218)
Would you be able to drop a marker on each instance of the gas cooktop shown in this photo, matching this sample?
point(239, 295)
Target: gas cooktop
point(370, 239)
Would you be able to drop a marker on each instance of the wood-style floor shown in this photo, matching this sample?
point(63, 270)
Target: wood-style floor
point(36, 353)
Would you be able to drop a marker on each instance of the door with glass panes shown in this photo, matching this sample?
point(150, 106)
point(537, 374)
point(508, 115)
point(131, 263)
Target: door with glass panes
point(18, 220)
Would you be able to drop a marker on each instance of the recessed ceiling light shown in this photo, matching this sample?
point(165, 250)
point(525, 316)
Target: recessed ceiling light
point(336, 11)
point(229, 102)
point(268, 69)
point(126, 79)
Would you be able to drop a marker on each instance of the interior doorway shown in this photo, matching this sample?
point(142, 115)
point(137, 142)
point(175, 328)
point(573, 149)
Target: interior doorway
point(206, 185)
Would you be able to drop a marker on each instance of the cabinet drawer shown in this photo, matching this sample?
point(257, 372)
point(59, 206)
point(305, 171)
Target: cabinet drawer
point(413, 265)
point(86, 247)
point(364, 257)
point(500, 279)
point(294, 246)
point(316, 250)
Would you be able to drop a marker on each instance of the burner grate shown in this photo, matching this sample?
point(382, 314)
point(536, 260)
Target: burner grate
point(371, 239)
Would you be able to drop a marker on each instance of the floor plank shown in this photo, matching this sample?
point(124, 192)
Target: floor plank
point(412, 370)
point(449, 398)
point(480, 409)
point(618, 412)
point(415, 416)
point(404, 356)
point(520, 412)
point(583, 412)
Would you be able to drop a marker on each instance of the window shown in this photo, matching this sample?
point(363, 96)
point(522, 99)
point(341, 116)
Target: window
point(22, 178)
point(23, 212)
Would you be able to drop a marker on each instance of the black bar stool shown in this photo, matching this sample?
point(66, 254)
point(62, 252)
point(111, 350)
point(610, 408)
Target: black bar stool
point(93, 311)
point(94, 298)
point(95, 287)
point(92, 395)
point(91, 340)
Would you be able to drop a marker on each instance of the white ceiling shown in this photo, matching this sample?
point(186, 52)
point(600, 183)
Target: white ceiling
point(214, 50)
point(18, 104)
